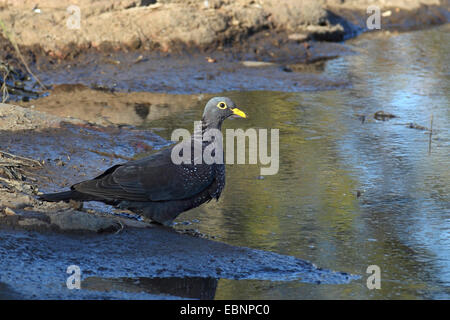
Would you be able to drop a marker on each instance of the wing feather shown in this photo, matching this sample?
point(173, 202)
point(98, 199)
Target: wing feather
point(154, 178)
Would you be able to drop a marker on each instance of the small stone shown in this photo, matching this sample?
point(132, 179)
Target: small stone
point(383, 116)
point(255, 64)
point(299, 37)
point(418, 127)
point(135, 43)
point(9, 211)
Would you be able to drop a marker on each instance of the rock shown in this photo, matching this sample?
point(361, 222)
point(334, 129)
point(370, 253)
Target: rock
point(66, 221)
point(33, 223)
point(22, 201)
point(82, 221)
point(417, 126)
point(383, 116)
point(286, 69)
point(15, 200)
point(299, 37)
point(16, 118)
point(326, 33)
point(256, 64)
point(9, 211)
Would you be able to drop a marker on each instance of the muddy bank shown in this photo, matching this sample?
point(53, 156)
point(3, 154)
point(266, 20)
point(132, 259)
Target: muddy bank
point(284, 69)
point(141, 264)
point(195, 47)
point(173, 25)
point(161, 25)
point(41, 152)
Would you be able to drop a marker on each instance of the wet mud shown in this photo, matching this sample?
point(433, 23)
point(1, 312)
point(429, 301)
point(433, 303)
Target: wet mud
point(142, 264)
point(194, 74)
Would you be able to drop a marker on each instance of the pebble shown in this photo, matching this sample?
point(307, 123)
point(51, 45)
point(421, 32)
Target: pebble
point(383, 116)
point(9, 211)
point(298, 37)
point(253, 64)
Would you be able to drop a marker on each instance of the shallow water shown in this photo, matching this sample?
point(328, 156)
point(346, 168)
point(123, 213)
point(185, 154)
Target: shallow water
point(328, 154)
point(351, 191)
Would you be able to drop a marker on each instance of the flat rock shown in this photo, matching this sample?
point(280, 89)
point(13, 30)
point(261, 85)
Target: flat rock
point(15, 118)
point(299, 37)
point(257, 64)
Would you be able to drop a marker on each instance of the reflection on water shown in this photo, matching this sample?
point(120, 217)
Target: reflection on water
point(108, 107)
point(188, 287)
point(400, 219)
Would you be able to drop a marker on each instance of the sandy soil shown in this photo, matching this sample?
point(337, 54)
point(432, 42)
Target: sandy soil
point(172, 24)
point(298, 32)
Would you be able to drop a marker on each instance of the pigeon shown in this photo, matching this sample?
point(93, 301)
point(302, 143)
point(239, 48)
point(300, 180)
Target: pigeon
point(157, 187)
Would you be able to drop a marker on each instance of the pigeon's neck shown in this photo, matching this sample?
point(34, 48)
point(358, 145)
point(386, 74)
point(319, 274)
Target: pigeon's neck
point(205, 136)
point(206, 125)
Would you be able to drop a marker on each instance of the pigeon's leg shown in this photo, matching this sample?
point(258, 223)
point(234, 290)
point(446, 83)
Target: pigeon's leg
point(156, 212)
point(159, 216)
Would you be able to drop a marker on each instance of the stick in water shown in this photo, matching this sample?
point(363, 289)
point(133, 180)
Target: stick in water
point(431, 133)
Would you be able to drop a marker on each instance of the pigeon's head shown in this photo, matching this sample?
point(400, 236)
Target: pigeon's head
point(218, 109)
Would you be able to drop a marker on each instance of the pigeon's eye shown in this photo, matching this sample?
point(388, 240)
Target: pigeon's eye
point(221, 105)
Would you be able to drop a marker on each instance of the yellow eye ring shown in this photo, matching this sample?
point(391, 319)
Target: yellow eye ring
point(221, 105)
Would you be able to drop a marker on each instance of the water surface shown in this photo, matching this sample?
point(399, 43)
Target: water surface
point(351, 191)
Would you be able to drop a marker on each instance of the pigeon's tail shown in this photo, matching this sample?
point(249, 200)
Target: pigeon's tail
point(63, 196)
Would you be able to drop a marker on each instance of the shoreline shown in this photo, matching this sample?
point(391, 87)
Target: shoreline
point(298, 37)
point(171, 27)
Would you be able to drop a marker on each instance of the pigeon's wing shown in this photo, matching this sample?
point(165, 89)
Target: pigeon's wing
point(155, 178)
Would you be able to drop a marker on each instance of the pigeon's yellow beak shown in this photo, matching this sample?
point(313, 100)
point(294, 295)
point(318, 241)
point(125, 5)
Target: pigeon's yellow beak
point(239, 113)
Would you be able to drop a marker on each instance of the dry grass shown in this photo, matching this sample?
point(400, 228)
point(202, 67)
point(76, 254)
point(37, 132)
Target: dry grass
point(10, 37)
point(4, 87)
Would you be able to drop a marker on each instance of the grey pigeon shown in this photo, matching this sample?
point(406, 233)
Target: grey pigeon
point(155, 186)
